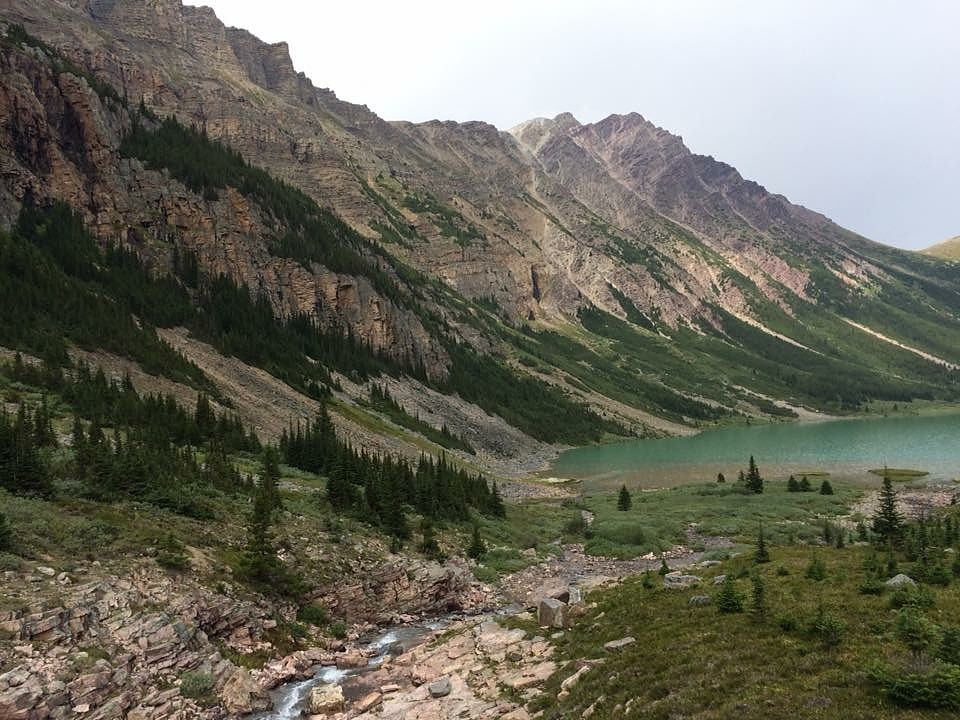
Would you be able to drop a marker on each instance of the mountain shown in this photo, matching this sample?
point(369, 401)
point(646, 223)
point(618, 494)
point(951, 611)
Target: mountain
point(948, 249)
point(489, 278)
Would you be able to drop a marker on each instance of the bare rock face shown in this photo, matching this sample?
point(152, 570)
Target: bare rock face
point(551, 210)
point(406, 587)
point(147, 650)
point(60, 140)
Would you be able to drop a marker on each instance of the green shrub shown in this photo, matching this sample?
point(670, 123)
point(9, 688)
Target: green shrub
point(782, 571)
point(787, 623)
point(827, 627)
point(338, 630)
point(816, 570)
point(949, 650)
point(313, 615)
point(872, 586)
point(171, 554)
point(912, 596)
point(196, 685)
point(917, 632)
point(938, 687)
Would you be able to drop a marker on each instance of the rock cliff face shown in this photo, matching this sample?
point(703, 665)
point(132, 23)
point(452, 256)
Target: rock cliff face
point(543, 201)
point(541, 222)
point(62, 140)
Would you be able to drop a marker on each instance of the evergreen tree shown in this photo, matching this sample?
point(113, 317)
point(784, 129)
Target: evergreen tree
point(6, 534)
point(497, 508)
point(624, 501)
point(758, 604)
point(792, 484)
point(754, 482)
point(477, 547)
point(805, 484)
point(259, 564)
point(428, 543)
point(728, 599)
point(720, 478)
point(270, 479)
point(816, 570)
point(762, 554)
point(826, 488)
point(888, 523)
point(664, 568)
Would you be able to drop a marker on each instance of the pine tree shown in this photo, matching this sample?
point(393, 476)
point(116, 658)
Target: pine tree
point(477, 547)
point(664, 568)
point(826, 488)
point(816, 570)
point(497, 508)
point(6, 534)
point(270, 479)
point(805, 484)
point(259, 563)
point(428, 543)
point(792, 484)
point(728, 599)
point(762, 554)
point(754, 482)
point(888, 523)
point(758, 604)
point(720, 478)
point(624, 501)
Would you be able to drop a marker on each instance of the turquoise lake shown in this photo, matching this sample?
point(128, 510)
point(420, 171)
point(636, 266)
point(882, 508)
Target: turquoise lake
point(844, 447)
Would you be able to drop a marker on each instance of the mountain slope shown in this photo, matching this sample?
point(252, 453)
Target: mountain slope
point(948, 249)
point(552, 265)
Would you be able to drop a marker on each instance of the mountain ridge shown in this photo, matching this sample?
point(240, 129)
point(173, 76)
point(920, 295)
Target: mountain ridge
point(550, 241)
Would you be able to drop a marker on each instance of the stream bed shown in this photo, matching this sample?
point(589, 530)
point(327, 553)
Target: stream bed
point(290, 699)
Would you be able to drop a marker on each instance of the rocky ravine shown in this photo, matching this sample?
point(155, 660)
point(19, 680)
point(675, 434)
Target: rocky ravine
point(103, 646)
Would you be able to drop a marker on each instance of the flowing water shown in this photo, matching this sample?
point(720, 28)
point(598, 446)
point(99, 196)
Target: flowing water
point(848, 447)
point(290, 699)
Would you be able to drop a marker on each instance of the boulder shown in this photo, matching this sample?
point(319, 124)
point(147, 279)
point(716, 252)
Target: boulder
point(439, 688)
point(899, 581)
point(676, 580)
point(719, 579)
point(325, 698)
point(615, 645)
point(241, 694)
point(551, 613)
point(367, 701)
point(700, 600)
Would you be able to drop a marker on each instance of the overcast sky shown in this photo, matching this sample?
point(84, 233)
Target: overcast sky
point(849, 107)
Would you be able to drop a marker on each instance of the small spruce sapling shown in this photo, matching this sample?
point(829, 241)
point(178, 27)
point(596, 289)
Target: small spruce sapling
point(728, 599)
point(762, 554)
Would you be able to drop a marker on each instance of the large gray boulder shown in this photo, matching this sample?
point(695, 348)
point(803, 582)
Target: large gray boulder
point(552, 613)
point(439, 688)
point(899, 581)
point(676, 580)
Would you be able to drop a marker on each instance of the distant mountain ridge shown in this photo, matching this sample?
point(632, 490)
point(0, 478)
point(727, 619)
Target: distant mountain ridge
point(603, 262)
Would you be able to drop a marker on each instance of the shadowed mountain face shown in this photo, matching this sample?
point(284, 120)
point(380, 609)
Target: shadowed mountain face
point(605, 259)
